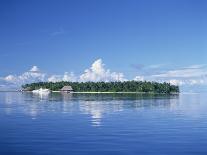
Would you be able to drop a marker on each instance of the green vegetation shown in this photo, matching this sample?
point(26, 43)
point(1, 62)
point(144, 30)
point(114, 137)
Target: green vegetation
point(127, 86)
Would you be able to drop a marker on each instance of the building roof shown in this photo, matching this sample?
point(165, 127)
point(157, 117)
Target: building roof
point(67, 88)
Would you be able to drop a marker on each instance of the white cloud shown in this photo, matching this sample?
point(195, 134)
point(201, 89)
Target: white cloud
point(139, 78)
point(34, 69)
point(191, 75)
point(196, 66)
point(175, 82)
point(33, 75)
point(69, 77)
point(10, 78)
point(97, 72)
point(66, 77)
point(182, 82)
point(55, 78)
point(183, 73)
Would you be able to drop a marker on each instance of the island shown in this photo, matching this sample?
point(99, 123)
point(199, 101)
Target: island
point(113, 87)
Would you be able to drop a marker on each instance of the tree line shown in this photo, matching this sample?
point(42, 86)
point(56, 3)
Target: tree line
point(127, 86)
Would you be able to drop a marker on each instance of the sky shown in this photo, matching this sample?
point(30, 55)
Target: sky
point(103, 40)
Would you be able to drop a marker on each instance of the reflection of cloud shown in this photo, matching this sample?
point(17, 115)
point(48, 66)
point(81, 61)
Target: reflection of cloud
point(96, 111)
point(33, 111)
point(8, 101)
point(42, 95)
point(98, 108)
point(192, 106)
point(95, 105)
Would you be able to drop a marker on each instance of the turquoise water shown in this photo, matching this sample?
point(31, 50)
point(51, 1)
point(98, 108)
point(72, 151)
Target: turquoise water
point(102, 124)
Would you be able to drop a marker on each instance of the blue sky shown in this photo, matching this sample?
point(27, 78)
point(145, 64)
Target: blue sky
point(136, 38)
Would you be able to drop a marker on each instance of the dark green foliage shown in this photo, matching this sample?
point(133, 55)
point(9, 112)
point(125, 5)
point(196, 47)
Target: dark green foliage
point(127, 86)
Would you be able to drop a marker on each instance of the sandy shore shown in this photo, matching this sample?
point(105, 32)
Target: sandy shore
point(100, 92)
point(112, 92)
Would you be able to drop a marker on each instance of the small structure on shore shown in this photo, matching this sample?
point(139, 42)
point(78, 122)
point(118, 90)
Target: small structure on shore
point(67, 89)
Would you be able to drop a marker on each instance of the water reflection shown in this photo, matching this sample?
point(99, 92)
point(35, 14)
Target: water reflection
point(97, 109)
point(41, 96)
point(94, 105)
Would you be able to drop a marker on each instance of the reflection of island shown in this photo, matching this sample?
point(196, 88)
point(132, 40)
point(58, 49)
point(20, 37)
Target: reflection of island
point(95, 105)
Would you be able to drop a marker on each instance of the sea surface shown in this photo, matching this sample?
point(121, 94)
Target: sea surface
point(103, 124)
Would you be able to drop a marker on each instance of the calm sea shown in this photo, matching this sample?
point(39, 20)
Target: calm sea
point(99, 124)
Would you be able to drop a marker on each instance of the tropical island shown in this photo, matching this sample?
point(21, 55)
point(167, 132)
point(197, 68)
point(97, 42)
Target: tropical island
point(126, 86)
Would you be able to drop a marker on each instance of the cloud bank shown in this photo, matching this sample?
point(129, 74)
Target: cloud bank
point(33, 75)
point(195, 75)
point(188, 78)
point(191, 75)
point(97, 72)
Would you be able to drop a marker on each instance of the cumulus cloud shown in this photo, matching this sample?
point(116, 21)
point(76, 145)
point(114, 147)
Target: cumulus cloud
point(175, 82)
point(139, 78)
point(97, 72)
point(66, 77)
point(34, 69)
point(33, 75)
point(55, 78)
